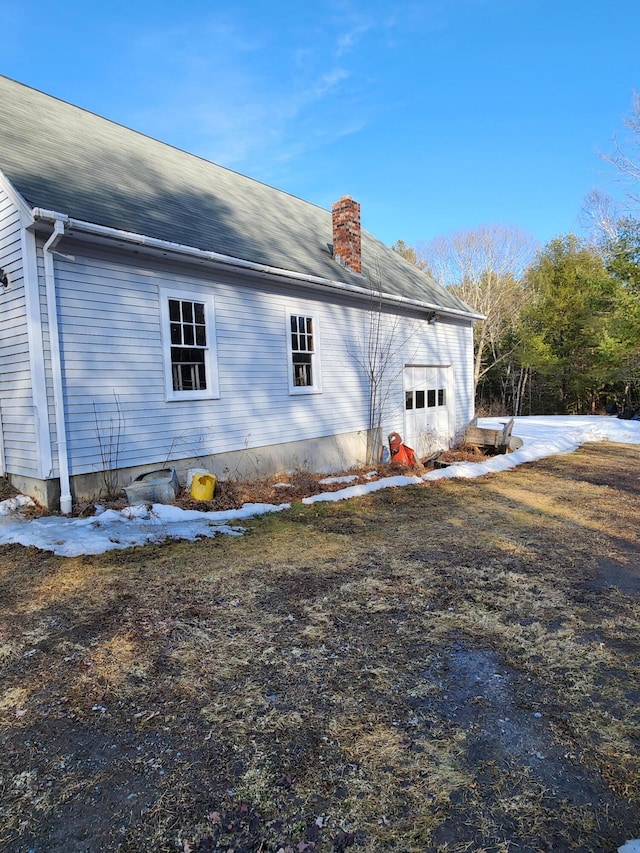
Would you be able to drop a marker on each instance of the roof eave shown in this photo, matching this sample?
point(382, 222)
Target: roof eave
point(167, 247)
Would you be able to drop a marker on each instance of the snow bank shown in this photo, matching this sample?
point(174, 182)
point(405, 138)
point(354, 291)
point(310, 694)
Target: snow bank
point(138, 525)
point(549, 435)
point(362, 489)
point(117, 529)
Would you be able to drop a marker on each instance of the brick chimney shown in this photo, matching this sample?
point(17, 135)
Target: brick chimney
point(345, 215)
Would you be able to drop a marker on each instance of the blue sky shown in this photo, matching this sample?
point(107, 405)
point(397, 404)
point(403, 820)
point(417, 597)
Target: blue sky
point(437, 115)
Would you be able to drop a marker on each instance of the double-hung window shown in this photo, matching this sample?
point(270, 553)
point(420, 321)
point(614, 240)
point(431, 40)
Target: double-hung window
point(304, 368)
point(188, 333)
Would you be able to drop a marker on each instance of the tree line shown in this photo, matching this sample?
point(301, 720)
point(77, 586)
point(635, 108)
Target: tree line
point(561, 332)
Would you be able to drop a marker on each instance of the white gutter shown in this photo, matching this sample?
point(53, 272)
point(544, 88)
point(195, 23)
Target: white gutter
point(66, 502)
point(205, 255)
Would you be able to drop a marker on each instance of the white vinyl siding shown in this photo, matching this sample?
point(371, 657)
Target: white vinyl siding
point(113, 356)
point(19, 444)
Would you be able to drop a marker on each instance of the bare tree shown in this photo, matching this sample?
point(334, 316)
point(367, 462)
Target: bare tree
point(600, 215)
point(626, 154)
point(381, 353)
point(485, 266)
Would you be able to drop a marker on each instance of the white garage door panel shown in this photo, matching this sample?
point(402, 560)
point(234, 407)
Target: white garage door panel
point(427, 415)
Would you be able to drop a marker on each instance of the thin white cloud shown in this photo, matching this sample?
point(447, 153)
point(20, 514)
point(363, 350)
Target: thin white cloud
point(347, 41)
point(241, 92)
point(326, 84)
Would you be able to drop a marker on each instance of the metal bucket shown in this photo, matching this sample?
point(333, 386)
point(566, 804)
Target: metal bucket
point(156, 487)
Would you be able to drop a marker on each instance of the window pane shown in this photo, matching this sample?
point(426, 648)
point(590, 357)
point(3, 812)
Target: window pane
point(431, 397)
point(302, 375)
point(183, 315)
point(188, 369)
point(302, 350)
point(187, 355)
point(419, 399)
point(408, 400)
point(302, 334)
point(441, 397)
point(188, 350)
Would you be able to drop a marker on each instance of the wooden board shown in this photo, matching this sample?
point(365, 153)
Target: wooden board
point(484, 437)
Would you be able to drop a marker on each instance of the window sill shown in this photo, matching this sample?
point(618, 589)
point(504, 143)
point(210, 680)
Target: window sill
point(304, 391)
point(187, 396)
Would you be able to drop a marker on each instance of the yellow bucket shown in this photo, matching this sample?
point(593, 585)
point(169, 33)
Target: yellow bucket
point(203, 486)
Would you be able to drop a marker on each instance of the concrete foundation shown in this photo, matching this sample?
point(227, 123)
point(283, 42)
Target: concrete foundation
point(44, 492)
point(320, 455)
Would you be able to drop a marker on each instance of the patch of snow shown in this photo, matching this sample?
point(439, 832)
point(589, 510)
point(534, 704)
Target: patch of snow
point(544, 435)
point(14, 504)
point(349, 478)
point(363, 489)
point(118, 529)
point(140, 524)
point(548, 435)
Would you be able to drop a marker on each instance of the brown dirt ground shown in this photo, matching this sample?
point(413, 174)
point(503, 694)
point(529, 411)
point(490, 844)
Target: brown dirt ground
point(454, 667)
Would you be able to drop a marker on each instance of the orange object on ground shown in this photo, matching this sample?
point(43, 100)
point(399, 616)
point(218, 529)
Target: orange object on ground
point(395, 441)
point(400, 453)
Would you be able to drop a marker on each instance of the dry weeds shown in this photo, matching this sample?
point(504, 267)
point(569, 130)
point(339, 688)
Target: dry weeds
point(446, 668)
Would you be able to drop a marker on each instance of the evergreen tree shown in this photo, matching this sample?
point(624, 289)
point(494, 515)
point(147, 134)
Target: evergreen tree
point(622, 253)
point(574, 334)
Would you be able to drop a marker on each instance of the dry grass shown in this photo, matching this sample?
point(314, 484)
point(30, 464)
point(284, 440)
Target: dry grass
point(446, 668)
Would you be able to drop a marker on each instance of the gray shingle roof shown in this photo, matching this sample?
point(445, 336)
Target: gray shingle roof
point(63, 158)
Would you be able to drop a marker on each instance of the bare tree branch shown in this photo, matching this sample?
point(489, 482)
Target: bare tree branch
point(626, 154)
point(599, 216)
point(380, 355)
point(485, 266)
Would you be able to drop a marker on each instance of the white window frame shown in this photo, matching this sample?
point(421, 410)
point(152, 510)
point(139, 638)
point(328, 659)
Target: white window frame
point(316, 387)
point(212, 391)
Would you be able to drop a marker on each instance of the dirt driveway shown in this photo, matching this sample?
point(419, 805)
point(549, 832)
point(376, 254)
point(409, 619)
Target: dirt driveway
point(454, 667)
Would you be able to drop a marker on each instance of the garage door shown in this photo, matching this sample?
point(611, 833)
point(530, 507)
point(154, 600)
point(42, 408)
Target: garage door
point(427, 408)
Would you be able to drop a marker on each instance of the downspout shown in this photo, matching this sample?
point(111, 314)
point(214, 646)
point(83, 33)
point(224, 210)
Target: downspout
point(2, 458)
point(66, 502)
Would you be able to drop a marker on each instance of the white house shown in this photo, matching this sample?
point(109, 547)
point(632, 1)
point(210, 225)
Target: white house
point(156, 308)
